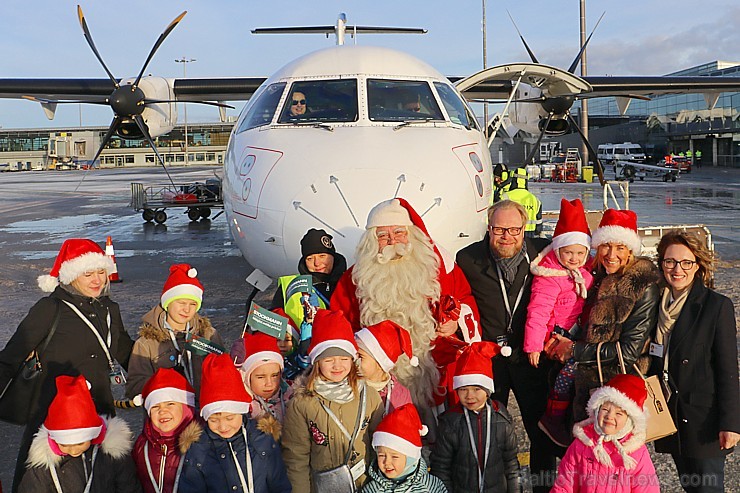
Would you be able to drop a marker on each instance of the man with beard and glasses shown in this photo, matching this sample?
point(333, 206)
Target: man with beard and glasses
point(497, 268)
point(403, 276)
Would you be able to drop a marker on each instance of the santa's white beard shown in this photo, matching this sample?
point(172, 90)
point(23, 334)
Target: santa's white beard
point(400, 290)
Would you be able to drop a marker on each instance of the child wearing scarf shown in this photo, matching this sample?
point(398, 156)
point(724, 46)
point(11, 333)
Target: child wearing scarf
point(77, 450)
point(169, 432)
point(322, 415)
point(400, 467)
point(379, 347)
point(231, 454)
point(609, 448)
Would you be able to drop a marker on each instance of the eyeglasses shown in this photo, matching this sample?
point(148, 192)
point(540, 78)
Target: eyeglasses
point(500, 231)
point(396, 234)
point(297, 101)
point(671, 263)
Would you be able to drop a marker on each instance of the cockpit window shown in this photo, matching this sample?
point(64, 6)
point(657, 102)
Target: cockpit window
point(456, 108)
point(401, 100)
point(323, 101)
point(262, 109)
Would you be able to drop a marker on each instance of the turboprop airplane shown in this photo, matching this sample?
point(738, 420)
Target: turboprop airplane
point(333, 133)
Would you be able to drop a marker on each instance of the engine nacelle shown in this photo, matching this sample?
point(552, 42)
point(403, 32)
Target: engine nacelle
point(160, 118)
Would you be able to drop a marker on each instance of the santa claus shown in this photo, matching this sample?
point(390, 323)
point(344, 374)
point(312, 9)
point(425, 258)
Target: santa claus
point(401, 275)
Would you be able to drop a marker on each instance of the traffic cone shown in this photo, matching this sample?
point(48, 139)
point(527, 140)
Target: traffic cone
point(113, 276)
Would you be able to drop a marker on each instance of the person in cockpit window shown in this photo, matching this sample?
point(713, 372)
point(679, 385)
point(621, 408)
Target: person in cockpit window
point(412, 102)
point(298, 104)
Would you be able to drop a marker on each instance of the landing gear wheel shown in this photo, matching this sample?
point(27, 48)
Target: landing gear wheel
point(193, 214)
point(147, 215)
point(205, 212)
point(666, 177)
point(160, 217)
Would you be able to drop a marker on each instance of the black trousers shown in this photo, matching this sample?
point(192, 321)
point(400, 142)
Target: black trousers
point(701, 475)
point(530, 387)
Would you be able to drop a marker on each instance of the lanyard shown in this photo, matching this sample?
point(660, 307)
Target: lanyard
point(188, 369)
point(55, 477)
point(239, 471)
point(505, 293)
point(266, 406)
point(481, 470)
point(388, 397)
point(104, 345)
point(159, 487)
point(339, 423)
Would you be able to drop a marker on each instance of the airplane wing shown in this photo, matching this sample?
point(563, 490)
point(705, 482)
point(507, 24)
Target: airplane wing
point(655, 85)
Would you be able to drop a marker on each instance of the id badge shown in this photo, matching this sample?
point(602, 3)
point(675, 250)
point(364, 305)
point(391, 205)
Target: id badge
point(116, 375)
point(656, 350)
point(358, 469)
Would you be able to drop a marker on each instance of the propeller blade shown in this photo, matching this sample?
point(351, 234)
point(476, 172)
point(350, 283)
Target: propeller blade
point(90, 42)
point(56, 101)
point(591, 152)
point(536, 146)
point(145, 132)
point(193, 101)
point(531, 54)
point(156, 46)
point(573, 65)
point(111, 130)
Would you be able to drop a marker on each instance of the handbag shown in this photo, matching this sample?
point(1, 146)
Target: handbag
point(659, 420)
point(22, 389)
point(340, 478)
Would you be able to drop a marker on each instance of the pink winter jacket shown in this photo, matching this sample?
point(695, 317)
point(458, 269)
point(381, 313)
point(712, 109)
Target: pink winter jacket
point(400, 395)
point(580, 472)
point(554, 300)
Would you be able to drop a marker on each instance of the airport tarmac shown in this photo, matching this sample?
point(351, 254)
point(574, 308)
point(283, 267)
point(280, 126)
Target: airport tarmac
point(38, 210)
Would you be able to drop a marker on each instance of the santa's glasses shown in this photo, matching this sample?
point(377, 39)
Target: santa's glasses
point(384, 236)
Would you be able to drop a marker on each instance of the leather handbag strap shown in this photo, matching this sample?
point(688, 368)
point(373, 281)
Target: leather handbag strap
point(598, 364)
point(621, 358)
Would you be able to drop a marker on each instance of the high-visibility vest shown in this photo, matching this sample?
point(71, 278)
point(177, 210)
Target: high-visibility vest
point(689, 154)
point(530, 203)
point(698, 154)
point(293, 307)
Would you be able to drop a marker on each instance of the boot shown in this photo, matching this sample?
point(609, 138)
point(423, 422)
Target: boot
point(555, 422)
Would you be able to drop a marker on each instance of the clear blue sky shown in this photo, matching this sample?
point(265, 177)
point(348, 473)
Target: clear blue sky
point(42, 38)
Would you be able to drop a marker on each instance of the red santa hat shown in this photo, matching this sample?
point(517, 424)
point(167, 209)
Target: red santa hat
point(331, 330)
point(618, 226)
point(386, 342)
point(572, 227)
point(182, 284)
point(626, 391)
point(475, 366)
point(259, 349)
point(395, 212)
point(401, 430)
point(76, 256)
point(221, 387)
point(72, 417)
point(166, 385)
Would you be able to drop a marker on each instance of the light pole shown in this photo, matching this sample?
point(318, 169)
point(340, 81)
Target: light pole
point(485, 66)
point(185, 62)
point(584, 102)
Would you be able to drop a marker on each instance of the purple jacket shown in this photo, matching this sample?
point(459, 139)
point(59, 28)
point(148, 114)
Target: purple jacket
point(400, 395)
point(554, 300)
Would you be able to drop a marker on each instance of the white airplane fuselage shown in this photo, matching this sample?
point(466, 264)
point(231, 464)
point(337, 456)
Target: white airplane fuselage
point(282, 178)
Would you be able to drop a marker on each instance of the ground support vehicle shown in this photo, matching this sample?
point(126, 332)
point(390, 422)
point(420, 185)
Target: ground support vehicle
point(198, 198)
point(628, 170)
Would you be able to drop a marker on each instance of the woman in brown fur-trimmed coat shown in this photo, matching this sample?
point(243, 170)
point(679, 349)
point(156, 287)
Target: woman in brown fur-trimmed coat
point(622, 307)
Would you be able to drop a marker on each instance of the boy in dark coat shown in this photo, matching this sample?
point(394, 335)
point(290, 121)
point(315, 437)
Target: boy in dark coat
point(476, 447)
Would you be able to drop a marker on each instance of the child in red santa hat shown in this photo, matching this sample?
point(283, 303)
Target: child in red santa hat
point(76, 449)
point(400, 467)
point(488, 463)
point(609, 446)
point(561, 282)
point(173, 334)
point(231, 454)
point(379, 347)
point(169, 432)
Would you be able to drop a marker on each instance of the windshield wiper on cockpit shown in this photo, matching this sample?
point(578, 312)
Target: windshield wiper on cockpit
point(314, 124)
point(407, 123)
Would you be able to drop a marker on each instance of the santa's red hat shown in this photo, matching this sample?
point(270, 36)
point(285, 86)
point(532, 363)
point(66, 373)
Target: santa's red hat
point(331, 330)
point(386, 342)
point(221, 387)
point(167, 385)
point(572, 227)
point(76, 256)
point(183, 283)
point(395, 212)
point(475, 366)
point(618, 226)
point(72, 417)
point(626, 391)
point(259, 348)
point(401, 430)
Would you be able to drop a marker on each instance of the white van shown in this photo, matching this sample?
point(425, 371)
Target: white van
point(627, 151)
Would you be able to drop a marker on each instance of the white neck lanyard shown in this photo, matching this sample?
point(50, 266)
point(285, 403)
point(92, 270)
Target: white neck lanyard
point(388, 397)
point(159, 486)
point(481, 470)
point(55, 477)
point(103, 344)
point(266, 406)
point(505, 293)
point(239, 471)
point(188, 369)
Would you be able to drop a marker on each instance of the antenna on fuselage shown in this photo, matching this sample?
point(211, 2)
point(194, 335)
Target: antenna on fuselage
point(339, 30)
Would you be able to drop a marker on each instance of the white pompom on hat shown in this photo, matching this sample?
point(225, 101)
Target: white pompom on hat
point(401, 430)
point(182, 283)
point(618, 226)
point(386, 342)
point(76, 256)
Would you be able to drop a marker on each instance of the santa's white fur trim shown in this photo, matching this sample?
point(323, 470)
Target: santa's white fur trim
point(75, 435)
point(258, 359)
point(234, 407)
point(617, 234)
point(610, 394)
point(395, 442)
point(473, 379)
point(388, 213)
point(168, 394)
point(74, 268)
point(373, 347)
point(342, 344)
point(571, 238)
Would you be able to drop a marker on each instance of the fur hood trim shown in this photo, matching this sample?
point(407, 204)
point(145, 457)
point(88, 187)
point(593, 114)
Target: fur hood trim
point(631, 443)
point(269, 425)
point(117, 443)
point(299, 387)
point(189, 436)
point(618, 293)
point(540, 265)
point(152, 326)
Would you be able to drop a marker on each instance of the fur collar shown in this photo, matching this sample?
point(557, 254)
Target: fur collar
point(545, 264)
point(118, 442)
point(152, 326)
point(268, 425)
point(299, 387)
point(189, 436)
point(584, 431)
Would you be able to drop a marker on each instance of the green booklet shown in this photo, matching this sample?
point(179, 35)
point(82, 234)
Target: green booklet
point(267, 322)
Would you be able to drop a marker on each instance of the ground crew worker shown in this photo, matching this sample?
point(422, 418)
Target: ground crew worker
point(690, 156)
point(698, 157)
point(518, 193)
point(501, 181)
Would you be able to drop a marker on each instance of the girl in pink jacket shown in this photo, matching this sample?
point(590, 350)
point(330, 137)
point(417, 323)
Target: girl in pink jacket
point(559, 291)
point(609, 452)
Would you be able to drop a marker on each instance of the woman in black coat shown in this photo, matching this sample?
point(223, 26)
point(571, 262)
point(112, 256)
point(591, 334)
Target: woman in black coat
point(87, 321)
point(694, 350)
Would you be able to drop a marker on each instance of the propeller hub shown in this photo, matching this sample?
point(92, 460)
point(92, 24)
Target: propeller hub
point(558, 105)
point(127, 101)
